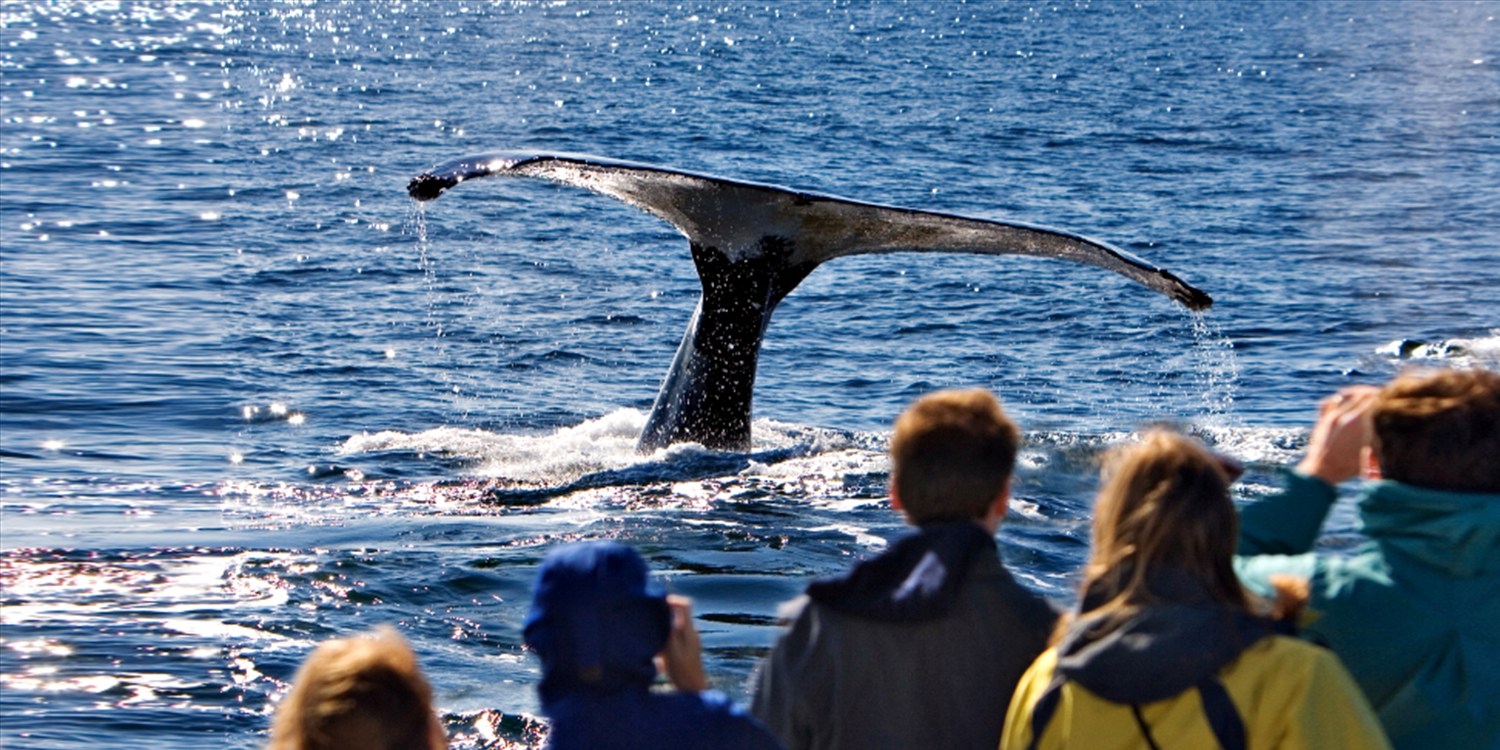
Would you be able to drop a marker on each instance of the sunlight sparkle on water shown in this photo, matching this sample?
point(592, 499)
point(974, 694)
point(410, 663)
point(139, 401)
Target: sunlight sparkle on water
point(43, 646)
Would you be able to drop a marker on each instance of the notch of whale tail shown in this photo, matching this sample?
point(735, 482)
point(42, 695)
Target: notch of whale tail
point(752, 243)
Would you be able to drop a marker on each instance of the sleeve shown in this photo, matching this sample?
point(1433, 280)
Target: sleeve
point(1017, 731)
point(1288, 522)
point(787, 689)
point(1256, 572)
point(1330, 711)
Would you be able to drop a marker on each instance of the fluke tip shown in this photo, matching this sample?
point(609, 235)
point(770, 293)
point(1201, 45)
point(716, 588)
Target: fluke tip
point(427, 186)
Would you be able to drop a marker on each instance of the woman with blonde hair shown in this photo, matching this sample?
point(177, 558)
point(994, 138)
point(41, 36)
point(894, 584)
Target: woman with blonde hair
point(364, 693)
point(1167, 648)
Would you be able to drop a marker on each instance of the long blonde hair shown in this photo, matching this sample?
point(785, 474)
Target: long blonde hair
point(1163, 504)
point(365, 692)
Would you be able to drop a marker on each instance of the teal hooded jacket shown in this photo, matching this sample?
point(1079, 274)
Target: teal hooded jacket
point(1414, 613)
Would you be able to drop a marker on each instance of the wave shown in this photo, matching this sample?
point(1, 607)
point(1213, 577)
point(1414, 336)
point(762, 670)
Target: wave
point(1481, 351)
point(826, 467)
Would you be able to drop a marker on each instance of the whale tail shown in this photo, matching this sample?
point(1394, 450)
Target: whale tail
point(753, 244)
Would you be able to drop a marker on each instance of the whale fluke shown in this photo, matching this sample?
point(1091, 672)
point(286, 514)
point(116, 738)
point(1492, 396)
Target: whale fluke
point(753, 244)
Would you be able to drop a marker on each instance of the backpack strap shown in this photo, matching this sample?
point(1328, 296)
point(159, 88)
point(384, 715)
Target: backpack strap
point(1223, 718)
point(1140, 721)
point(1046, 706)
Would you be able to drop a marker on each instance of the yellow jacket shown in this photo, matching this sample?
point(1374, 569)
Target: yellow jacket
point(1288, 693)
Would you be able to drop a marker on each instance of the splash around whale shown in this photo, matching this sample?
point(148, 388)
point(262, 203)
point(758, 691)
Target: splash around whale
point(752, 245)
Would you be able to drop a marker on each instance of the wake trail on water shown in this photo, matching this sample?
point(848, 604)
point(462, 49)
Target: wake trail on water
point(602, 452)
point(595, 462)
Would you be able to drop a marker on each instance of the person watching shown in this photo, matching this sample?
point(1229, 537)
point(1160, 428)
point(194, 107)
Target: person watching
point(1415, 612)
point(365, 692)
point(920, 645)
point(1167, 649)
point(599, 623)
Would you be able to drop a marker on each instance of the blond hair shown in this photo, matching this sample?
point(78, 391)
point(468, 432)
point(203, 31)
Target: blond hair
point(1439, 429)
point(365, 692)
point(1163, 504)
point(952, 453)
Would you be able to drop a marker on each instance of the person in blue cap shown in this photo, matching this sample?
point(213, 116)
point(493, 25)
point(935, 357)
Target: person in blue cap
point(599, 622)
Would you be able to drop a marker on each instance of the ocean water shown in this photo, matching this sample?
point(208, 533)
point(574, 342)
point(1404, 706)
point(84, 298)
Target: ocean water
point(252, 396)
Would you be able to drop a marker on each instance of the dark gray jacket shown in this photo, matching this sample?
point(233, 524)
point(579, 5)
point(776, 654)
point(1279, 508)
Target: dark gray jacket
point(919, 647)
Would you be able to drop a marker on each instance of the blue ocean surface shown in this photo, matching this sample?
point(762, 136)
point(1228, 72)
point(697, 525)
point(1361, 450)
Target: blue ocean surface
point(252, 396)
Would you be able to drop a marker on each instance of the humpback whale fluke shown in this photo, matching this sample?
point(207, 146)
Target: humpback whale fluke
point(752, 244)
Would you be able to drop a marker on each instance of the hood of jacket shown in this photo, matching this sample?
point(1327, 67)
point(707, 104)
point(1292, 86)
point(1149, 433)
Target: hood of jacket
point(1456, 532)
point(918, 578)
point(597, 620)
point(1163, 648)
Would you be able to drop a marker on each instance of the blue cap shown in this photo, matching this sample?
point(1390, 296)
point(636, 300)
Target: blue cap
point(597, 620)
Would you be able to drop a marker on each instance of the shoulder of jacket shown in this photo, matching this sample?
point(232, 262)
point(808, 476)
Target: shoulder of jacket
point(1024, 602)
point(1282, 657)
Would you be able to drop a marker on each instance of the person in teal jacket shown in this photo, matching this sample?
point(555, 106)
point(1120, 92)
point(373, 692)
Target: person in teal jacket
point(1415, 612)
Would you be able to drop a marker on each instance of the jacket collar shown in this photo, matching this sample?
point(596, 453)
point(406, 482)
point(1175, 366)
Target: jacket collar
point(1161, 649)
point(918, 578)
